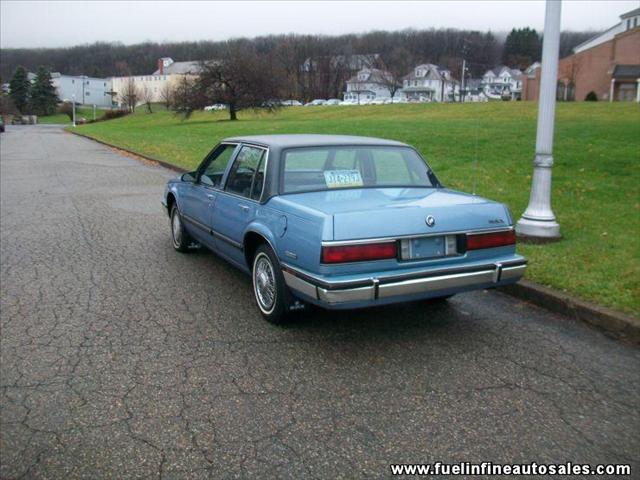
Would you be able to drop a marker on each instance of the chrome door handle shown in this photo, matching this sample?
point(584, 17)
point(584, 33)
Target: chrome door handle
point(211, 197)
point(244, 208)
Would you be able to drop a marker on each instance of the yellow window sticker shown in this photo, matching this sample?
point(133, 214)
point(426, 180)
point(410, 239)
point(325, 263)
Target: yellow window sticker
point(343, 178)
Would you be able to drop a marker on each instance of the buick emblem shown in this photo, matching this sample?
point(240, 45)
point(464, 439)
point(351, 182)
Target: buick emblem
point(431, 221)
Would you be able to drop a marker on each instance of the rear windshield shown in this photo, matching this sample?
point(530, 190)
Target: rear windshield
point(329, 168)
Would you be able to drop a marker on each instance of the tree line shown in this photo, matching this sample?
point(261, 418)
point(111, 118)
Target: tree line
point(254, 73)
point(440, 46)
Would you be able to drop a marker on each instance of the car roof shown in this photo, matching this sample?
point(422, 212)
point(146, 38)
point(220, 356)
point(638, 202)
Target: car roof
point(313, 140)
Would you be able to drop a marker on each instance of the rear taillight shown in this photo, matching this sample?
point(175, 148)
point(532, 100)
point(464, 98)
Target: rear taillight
point(359, 253)
point(476, 241)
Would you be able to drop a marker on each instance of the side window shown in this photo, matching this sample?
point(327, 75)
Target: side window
point(213, 172)
point(258, 180)
point(243, 171)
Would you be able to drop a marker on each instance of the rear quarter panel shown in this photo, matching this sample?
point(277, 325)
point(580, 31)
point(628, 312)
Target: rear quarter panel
point(299, 242)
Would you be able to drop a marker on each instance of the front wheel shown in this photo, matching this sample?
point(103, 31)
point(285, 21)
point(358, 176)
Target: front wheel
point(179, 236)
point(271, 293)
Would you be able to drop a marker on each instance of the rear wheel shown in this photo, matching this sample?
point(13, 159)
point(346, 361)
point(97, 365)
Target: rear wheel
point(179, 236)
point(271, 293)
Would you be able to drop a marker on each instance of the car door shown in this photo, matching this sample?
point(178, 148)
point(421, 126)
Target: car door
point(236, 205)
point(199, 197)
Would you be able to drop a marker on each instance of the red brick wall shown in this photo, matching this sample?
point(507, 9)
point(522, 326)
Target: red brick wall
point(531, 86)
point(592, 69)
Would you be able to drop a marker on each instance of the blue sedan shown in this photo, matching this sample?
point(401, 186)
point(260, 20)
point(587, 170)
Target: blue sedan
point(339, 222)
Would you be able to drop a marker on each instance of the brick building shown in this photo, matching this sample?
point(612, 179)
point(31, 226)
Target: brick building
point(607, 64)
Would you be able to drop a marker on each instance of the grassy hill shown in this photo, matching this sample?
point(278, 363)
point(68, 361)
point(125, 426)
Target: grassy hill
point(63, 118)
point(596, 177)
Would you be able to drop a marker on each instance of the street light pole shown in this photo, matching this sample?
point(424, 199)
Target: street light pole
point(538, 220)
point(462, 91)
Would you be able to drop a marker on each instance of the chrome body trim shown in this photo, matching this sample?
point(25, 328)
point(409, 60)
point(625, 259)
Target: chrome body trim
point(299, 284)
point(230, 241)
point(330, 243)
point(195, 222)
point(341, 292)
point(509, 273)
point(210, 231)
point(443, 282)
point(347, 295)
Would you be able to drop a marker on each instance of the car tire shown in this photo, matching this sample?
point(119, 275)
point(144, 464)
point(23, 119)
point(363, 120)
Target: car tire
point(269, 289)
point(180, 238)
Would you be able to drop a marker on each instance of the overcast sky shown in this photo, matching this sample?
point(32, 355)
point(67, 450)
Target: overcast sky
point(64, 23)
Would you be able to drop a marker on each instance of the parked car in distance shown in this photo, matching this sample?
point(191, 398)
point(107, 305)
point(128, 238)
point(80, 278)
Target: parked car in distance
point(316, 102)
point(215, 107)
point(340, 222)
point(333, 101)
point(290, 103)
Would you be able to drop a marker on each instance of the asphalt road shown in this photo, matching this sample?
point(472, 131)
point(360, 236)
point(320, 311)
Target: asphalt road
point(122, 358)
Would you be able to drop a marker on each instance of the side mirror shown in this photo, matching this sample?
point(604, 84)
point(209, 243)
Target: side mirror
point(188, 177)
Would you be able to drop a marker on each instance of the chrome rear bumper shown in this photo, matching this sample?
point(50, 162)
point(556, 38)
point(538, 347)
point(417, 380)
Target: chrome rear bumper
point(374, 288)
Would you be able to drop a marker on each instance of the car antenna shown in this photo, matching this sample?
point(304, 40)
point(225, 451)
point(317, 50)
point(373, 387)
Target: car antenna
point(475, 158)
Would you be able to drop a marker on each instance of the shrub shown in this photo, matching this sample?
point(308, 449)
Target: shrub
point(66, 108)
point(111, 114)
point(591, 97)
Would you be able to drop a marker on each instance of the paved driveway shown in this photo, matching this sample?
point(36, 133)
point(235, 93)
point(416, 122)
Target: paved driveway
point(122, 358)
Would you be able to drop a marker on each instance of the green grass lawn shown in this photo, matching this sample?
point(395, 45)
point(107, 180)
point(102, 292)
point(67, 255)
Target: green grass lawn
point(596, 177)
point(63, 119)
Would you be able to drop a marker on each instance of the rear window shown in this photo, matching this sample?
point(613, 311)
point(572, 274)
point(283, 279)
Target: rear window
point(330, 168)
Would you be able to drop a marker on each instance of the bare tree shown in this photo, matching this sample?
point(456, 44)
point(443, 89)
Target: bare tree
point(146, 95)
point(166, 95)
point(185, 96)
point(240, 79)
point(129, 95)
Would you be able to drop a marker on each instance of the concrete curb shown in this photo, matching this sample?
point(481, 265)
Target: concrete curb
point(614, 323)
point(617, 324)
point(131, 152)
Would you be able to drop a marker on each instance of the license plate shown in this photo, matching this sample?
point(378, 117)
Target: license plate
point(427, 247)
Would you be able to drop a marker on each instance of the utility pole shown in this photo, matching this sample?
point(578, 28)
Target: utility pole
point(465, 52)
point(464, 68)
point(538, 221)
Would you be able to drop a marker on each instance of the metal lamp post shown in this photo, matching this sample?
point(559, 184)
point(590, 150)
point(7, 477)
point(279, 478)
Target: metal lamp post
point(538, 220)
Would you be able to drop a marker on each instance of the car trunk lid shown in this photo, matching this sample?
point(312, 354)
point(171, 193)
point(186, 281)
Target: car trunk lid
point(386, 212)
point(437, 212)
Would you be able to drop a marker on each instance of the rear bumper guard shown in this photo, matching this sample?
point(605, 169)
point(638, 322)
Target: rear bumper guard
point(369, 289)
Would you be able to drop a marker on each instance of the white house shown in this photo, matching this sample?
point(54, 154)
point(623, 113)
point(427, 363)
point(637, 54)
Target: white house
point(370, 84)
point(429, 82)
point(167, 75)
point(85, 90)
point(501, 81)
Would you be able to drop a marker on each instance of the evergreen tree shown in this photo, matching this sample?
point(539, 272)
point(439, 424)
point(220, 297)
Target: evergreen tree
point(43, 99)
point(522, 47)
point(19, 87)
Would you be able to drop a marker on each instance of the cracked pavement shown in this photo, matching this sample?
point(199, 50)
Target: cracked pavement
point(122, 358)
